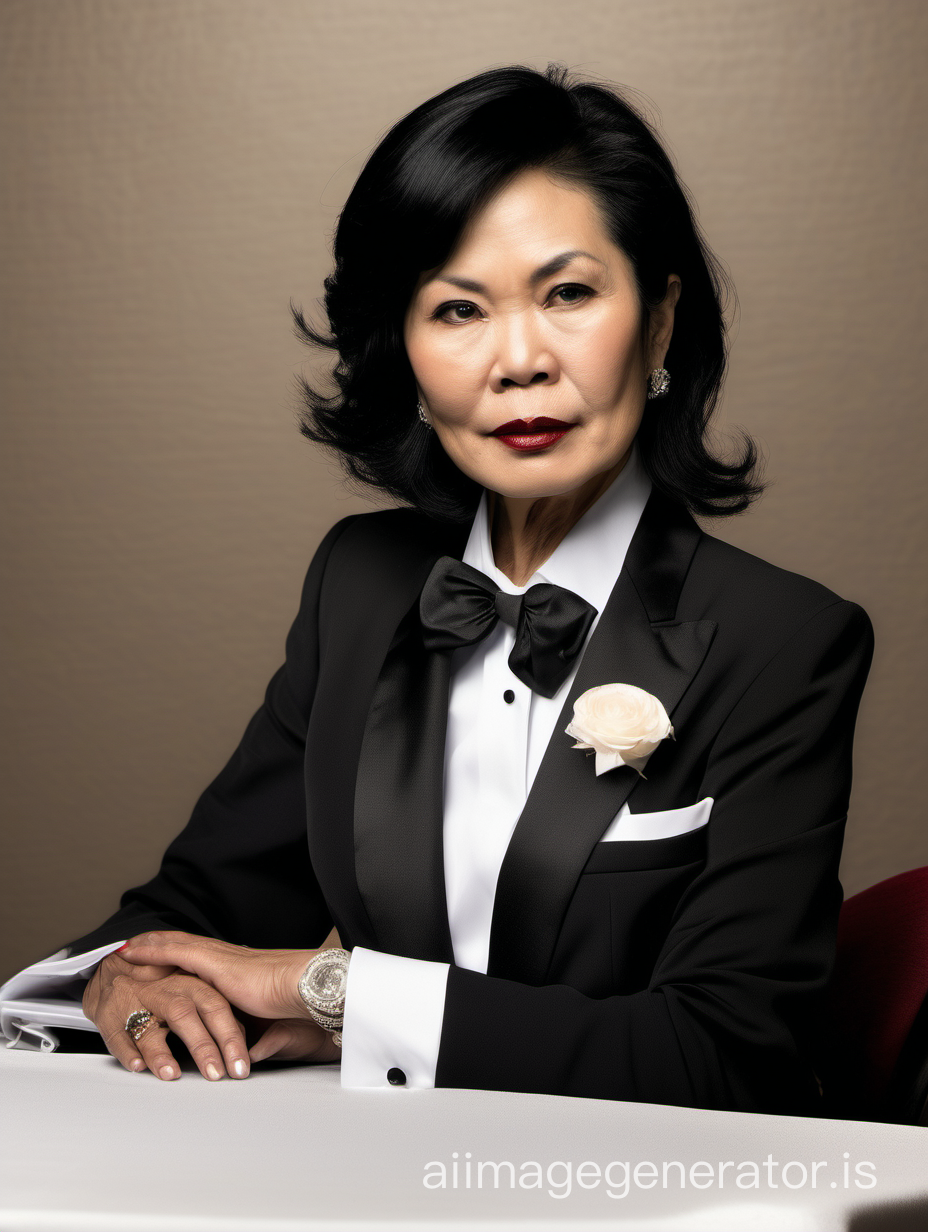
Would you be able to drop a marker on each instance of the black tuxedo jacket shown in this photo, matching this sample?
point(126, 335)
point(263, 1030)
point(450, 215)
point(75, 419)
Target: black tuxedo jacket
point(684, 970)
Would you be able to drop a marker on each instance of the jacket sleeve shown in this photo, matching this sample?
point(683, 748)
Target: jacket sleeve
point(240, 870)
point(725, 1019)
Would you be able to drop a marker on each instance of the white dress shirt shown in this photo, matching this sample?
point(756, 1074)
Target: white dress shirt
point(497, 733)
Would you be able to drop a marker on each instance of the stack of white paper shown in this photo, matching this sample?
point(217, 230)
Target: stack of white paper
point(48, 994)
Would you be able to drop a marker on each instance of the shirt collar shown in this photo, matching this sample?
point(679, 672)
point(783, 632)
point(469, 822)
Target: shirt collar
point(590, 556)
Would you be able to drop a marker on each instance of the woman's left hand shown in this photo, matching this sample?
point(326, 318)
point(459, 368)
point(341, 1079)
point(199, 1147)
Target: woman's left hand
point(262, 983)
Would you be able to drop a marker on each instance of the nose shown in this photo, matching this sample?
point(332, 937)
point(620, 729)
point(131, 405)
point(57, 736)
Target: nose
point(522, 354)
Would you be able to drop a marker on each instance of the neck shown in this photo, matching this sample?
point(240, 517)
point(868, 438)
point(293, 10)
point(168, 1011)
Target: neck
point(525, 530)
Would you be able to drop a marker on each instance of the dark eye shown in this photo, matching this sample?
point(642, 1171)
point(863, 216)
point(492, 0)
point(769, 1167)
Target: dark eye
point(459, 311)
point(571, 293)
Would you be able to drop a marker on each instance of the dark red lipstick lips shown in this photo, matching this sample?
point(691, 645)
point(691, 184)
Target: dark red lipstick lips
point(532, 435)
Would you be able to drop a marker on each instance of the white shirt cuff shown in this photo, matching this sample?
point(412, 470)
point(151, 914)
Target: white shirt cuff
point(393, 1014)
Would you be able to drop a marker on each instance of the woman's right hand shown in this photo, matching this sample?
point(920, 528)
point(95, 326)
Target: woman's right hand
point(184, 1004)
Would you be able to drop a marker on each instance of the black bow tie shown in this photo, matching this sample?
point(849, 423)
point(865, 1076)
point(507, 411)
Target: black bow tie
point(460, 606)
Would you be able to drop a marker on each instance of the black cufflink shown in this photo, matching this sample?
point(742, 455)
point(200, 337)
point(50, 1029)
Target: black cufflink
point(396, 1077)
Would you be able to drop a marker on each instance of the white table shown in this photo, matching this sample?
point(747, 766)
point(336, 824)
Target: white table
point(86, 1145)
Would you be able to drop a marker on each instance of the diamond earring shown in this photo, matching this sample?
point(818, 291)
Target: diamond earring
point(422, 414)
point(658, 382)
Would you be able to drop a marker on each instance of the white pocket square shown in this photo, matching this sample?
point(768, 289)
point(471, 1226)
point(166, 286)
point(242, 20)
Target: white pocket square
point(635, 827)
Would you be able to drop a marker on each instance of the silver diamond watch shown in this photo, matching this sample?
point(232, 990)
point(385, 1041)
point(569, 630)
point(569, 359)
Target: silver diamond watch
point(322, 987)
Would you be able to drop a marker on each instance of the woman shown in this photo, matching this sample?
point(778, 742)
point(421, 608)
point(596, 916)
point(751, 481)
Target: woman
point(530, 346)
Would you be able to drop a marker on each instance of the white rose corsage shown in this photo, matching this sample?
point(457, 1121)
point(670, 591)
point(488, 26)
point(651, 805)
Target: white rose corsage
point(622, 723)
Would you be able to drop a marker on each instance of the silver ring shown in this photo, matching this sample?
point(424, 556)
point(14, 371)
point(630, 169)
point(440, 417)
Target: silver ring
point(138, 1023)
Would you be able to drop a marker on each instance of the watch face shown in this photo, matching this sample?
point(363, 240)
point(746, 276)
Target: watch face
point(326, 982)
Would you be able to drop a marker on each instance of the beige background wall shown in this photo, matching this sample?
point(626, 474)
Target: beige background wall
point(172, 173)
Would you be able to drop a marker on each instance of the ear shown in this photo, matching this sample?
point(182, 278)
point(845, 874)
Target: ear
point(661, 323)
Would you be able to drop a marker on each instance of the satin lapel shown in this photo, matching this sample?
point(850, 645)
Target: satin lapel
point(398, 806)
point(390, 559)
point(399, 789)
point(569, 807)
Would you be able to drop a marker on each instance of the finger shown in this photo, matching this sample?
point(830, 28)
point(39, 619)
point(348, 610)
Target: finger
point(275, 1038)
point(167, 935)
point(148, 1051)
point(140, 971)
point(126, 997)
point(157, 1056)
point(281, 1040)
point(219, 1019)
point(129, 995)
point(198, 955)
point(181, 1017)
point(104, 1015)
point(119, 1045)
point(158, 943)
point(204, 1020)
point(289, 1039)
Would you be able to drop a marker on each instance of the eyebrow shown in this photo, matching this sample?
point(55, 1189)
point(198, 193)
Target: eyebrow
point(554, 266)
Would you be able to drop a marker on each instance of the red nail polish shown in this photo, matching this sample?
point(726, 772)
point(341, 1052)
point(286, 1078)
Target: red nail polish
point(124, 946)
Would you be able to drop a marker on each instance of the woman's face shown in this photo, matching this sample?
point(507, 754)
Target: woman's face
point(527, 346)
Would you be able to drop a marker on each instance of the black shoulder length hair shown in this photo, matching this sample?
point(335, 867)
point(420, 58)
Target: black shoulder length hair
point(418, 189)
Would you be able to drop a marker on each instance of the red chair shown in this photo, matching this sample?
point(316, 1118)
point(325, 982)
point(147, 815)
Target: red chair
point(878, 1005)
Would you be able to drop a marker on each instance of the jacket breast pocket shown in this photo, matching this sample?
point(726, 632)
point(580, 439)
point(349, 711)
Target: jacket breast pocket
point(666, 839)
